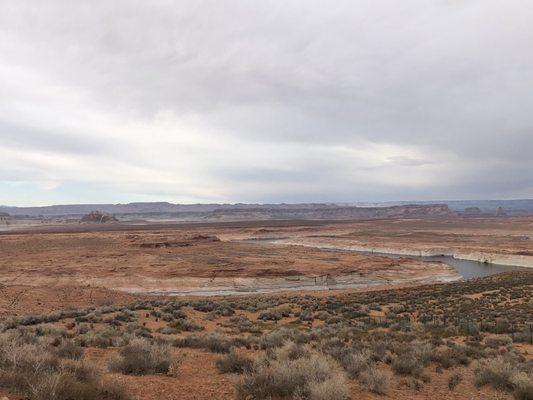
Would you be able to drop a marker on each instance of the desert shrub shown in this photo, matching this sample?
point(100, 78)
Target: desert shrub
point(398, 309)
point(453, 381)
point(217, 343)
point(498, 373)
point(355, 362)
point(234, 363)
point(179, 314)
point(243, 324)
point(322, 315)
point(406, 365)
point(69, 349)
point(270, 315)
point(306, 315)
point(289, 351)
point(65, 385)
point(35, 372)
point(167, 330)
point(214, 342)
point(378, 349)
point(192, 341)
point(102, 339)
point(82, 329)
point(141, 357)
point(316, 377)
point(422, 351)
point(456, 355)
point(276, 338)
point(138, 330)
point(497, 341)
point(375, 380)
point(523, 386)
point(186, 325)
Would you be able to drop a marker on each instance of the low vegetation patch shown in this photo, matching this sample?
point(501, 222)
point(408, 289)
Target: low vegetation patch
point(313, 376)
point(142, 357)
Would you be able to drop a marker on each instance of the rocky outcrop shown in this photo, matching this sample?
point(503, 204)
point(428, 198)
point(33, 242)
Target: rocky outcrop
point(98, 217)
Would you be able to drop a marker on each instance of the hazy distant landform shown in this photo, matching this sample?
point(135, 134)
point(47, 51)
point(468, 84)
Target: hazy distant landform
point(193, 212)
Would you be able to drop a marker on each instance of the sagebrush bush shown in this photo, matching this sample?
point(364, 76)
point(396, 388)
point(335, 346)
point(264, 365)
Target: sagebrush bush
point(497, 373)
point(32, 368)
point(235, 363)
point(406, 365)
point(453, 381)
point(315, 377)
point(375, 380)
point(142, 357)
point(523, 386)
point(69, 349)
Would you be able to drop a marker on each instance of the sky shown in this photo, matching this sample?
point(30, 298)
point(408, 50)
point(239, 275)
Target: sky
point(265, 101)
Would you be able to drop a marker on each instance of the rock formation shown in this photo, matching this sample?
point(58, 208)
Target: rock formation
point(98, 217)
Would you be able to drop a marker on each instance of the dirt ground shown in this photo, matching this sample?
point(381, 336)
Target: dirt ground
point(55, 270)
point(149, 260)
point(503, 235)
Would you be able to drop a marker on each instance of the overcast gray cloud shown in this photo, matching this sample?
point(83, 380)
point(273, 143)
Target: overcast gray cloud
point(265, 101)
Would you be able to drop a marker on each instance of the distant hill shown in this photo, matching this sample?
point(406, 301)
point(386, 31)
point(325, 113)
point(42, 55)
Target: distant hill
point(161, 210)
point(510, 207)
point(230, 211)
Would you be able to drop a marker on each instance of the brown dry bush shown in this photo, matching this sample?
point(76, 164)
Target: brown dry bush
point(141, 357)
point(406, 365)
point(314, 377)
point(375, 380)
point(505, 374)
point(523, 386)
point(234, 362)
point(34, 370)
point(453, 381)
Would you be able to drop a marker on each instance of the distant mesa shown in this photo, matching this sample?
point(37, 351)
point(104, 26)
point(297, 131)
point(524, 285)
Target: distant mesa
point(98, 217)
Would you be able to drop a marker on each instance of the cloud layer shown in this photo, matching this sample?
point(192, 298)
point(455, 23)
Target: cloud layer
point(267, 101)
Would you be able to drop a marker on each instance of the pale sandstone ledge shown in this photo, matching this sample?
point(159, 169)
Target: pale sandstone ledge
point(225, 286)
point(421, 273)
point(483, 257)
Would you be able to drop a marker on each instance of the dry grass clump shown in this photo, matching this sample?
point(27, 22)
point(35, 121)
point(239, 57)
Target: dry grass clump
point(453, 381)
point(523, 386)
point(356, 362)
point(313, 376)
point(406, 365)
point(214, 342)
point(186, 325)
point(375, 380)
point(69, 349)
point(411, 359)
point(504, 374)
point(234, 362)
point(32, 368)
point(497, 341)
point(142, 357)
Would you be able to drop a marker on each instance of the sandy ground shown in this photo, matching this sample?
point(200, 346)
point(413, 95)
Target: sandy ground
point(507, 241)
point(43, 271)
point(185, 260)
point(44, 266)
